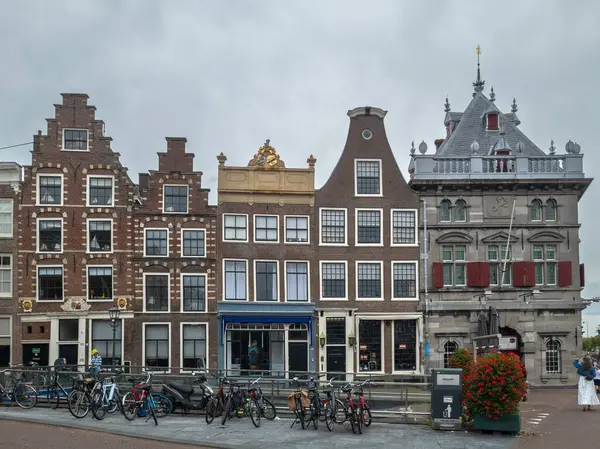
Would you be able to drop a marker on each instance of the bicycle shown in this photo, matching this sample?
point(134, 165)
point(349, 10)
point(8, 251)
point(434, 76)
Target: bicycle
point(358, 413)
point(332, 406)
point(298, 402)
point(364, 405)
point(267, 409)
point(240, 403)
point(140, 399)
point(54, 390)
point(23, 394)
point(315, 403)
point(79, 399)
point(216, 404)
point(106, 398)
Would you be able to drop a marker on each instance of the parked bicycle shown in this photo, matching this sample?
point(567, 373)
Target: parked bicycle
point(17, 391)
point(267, 409)
point(106, 398)
point(56, 391)
point(80, 397)
point(335, 410)
point(216, 404)
point(241, 403)
point(358, 412)
point(142, 401)
point(298, 402)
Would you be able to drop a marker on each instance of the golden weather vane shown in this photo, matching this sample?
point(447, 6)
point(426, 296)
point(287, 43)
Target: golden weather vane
point(478, 49)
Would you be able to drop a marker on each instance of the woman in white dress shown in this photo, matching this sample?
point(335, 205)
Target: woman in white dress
point(586, 395)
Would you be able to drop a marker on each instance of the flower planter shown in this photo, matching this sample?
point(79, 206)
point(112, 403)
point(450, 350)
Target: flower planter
point(506, 423)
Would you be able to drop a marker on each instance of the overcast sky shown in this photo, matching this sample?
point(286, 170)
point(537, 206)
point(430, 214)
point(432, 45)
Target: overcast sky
point(229, 74)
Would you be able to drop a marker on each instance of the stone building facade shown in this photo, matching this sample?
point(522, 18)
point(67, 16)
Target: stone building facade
point(366, 262)
point(502, 233)
point(74, 244)
point(266, 248)
point(10, 336)
point(174, 231)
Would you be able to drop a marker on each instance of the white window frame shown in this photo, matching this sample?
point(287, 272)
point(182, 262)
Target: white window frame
point(12, 219)
point(161, 323)
point(37, 283)
point(285, 217)
point(416, 243)
point(321, 262)
point(168, 242)
point(62, 235)
point(417, 286)
point(321, 210)
point(181, 238)
point(160, 273)
point(192, 323)
point(419, 336)
point(38, 190)
point(277, 277)
point(224, 280)
point(380, 194)
point(87, 192)
point(254, 229)
point(205, 276)
point(381, 283)
point(223, 226)
point(357, 356)
point(10, 293)
point(87, 283)
point(164, 203)
point(308, 290)
point(112, 235)
point(366, 209)
point(87, 150)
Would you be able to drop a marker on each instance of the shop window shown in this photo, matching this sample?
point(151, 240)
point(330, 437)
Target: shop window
point(405, 345)
point(370, 345)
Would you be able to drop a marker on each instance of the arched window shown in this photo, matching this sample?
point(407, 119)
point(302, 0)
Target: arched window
point(553, 357)
point(445, 211)
point(450, 347)
point(550, 210)
point(536, 210)
point(460, 210)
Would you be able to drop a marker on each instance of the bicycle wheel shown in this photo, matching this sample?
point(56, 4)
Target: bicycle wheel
point(79, 403)
point(52, 394)
point(329, 418)
point(151, 409)
point(255, 412)
point(300, 412)
point(97, 405)
point(164, 406)
point(25, 396)
point(339, 412)
point(226, 411)
point(366, 416)
point(130, 406)
point(210, 411)
point(351, 417)
point(359, 421)
point(268, 409)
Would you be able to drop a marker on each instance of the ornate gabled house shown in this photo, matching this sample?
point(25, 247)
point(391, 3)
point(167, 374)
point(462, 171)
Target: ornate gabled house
point(266, 304)
point(365, 275)
point(502, 233)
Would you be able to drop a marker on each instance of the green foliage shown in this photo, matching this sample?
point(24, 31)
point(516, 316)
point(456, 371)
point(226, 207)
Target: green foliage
point(464, 360)
point(591, 344)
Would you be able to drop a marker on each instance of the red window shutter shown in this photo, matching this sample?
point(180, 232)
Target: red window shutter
point(473, 276)
point(520, 274)
point(484, 274)
point(529, 274)
point(582, 275)
point(438, 275)
point(565, 277)
point(492, 121)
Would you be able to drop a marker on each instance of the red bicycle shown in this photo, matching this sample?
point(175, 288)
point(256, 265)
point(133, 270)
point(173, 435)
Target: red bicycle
point(216, 404)
point(358, 412)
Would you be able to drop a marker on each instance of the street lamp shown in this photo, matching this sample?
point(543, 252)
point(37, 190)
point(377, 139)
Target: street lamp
point(113, 314)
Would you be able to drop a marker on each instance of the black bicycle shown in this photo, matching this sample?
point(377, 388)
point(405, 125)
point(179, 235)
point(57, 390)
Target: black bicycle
point(17, 391)
point(267, 409)
point(335, 410)
point(240, 403)
point(56, 391)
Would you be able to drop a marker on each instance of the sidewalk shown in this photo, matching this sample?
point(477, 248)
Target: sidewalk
point(271, 435)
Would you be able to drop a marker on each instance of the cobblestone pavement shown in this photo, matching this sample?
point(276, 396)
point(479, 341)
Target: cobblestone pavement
point(271, 434)
point(26, 435)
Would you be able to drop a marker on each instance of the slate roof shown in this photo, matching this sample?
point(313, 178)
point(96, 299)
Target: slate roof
point(472, 128)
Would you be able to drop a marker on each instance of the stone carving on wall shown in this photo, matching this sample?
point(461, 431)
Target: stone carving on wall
point(266, 157)
point(76, 305)
point(498, 207)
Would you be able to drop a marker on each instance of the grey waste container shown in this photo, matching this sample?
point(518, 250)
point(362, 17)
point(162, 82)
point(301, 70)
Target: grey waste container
point(446, 398)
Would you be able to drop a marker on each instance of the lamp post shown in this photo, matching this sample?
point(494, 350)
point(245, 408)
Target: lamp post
point(113, 314)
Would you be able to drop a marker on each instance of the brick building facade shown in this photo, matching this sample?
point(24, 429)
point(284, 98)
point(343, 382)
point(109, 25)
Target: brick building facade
point(74, 244)
point(10, 187)
point(175, 231)
point(266, 305)
point(365, 273)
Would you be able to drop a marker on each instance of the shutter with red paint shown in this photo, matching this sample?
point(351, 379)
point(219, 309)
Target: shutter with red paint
point(473, 276)
point(565, 277)
point(492, 121)
point(582, 275)
point(438, 275)
point(484, 274)
point(523, 274)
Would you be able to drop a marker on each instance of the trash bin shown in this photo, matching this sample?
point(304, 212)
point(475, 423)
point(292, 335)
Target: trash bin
point(446, 398)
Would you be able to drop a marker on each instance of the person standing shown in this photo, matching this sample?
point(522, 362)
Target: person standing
point(586, 393)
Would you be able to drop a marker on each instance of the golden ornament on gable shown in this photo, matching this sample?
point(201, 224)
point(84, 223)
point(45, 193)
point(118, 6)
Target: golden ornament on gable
point(27, 305)
point(266, 157)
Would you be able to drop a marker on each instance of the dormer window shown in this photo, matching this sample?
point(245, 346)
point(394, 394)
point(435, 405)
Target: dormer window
point(492, 121)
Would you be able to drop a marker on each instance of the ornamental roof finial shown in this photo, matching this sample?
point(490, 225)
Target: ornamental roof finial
point(513, 107)
point(446, 105)
point(479, 83)
point(492, 95)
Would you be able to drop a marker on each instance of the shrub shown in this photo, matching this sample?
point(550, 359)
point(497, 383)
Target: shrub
point(496, 386)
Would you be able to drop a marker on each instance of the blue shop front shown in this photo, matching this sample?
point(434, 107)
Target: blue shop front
point(258, 339)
